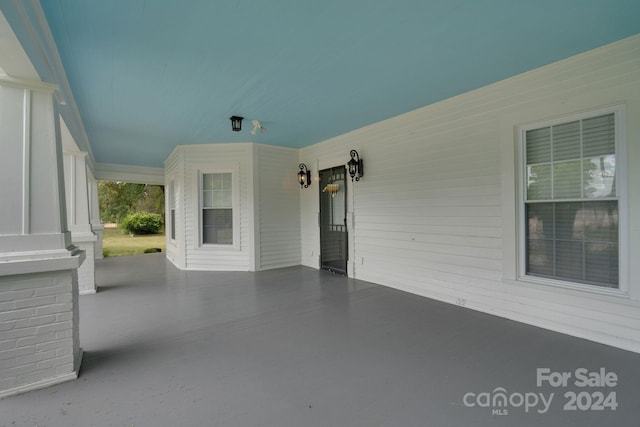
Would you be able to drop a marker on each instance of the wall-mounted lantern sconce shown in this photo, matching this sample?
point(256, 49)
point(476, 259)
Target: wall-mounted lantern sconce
point(304, 176)
point(236, 123)
point(355, 165)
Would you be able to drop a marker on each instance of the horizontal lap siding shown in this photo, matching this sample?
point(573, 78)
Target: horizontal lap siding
point(435, 211)
point(279, 204)
point(421, 201)
point(206, 158)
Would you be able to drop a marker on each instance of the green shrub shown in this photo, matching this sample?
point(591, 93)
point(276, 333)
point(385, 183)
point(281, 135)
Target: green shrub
point(142, 223)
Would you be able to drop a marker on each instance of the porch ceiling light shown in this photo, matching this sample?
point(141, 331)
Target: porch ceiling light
point(304, 176)
point(355, 165)
point(236, 123)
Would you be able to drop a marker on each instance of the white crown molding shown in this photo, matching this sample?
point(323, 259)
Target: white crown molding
point(22, 83)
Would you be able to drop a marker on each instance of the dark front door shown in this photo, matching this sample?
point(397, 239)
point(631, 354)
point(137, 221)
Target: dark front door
point(333, 220)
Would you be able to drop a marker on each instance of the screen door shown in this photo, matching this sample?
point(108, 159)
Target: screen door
point(333, 220)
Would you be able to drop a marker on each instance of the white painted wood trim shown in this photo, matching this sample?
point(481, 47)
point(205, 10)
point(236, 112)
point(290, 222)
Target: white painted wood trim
point(42, 261)
point(129, 173)
point(254, 198)
point(33, 19)
point(22, 83)
point(26, 162)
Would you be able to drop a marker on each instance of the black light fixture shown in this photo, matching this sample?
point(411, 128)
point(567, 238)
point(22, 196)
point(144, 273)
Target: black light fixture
point(304, 176)
point(236, 123)
point(355, 165)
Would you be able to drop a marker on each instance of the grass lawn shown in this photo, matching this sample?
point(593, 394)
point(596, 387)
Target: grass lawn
point(115, 243)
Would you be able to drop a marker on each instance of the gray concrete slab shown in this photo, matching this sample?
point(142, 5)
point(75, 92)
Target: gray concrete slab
point(300, 347)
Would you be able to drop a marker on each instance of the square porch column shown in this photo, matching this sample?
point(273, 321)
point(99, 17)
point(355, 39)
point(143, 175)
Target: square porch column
point(39, 335)
point(94, 214)
point(77, 192)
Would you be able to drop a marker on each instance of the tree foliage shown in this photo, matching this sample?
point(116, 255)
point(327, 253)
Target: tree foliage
point(119, 199)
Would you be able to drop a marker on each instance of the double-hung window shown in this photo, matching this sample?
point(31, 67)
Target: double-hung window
point(217, 208)
point(172, 210)
point(570, 209)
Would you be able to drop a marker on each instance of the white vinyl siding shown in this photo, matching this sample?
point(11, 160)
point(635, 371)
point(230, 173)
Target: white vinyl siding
point(192, 162)
point(436, 212)
point(278, 202)
point(265, 230)
point(570, 207)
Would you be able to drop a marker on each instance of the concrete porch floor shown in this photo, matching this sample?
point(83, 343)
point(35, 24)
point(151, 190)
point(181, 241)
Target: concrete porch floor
point(299, 347)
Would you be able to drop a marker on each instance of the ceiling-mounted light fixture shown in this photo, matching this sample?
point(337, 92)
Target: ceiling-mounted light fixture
point(236, 123)
point(304, 176)
point(257, 126)
point(355, 165)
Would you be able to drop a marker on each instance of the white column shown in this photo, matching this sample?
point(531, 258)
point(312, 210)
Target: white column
point(39, 340)
point(94, 214)
point(77, 191)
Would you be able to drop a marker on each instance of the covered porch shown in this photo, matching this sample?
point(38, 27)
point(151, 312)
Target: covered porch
point(298, 346)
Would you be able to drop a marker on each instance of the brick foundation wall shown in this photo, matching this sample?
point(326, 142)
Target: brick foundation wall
point(38, 329)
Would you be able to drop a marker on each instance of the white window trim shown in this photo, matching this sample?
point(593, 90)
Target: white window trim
point(621, 188)
point(235, 206)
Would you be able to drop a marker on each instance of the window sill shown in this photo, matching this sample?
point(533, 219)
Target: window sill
point(593, 289)
point(219, 247)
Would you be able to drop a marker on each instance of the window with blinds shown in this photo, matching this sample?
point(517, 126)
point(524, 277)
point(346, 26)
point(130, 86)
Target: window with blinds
point(571, 203)
point(217, 209)
point(172, 210)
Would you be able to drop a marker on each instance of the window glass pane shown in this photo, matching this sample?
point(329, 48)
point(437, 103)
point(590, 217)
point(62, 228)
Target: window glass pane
point(539, 182)
point(216, 182)
point(218, 191)
point(602, 264)
point(207, 181)
point(576, 241)
point(599, 176)
point(226, 199)
point(538, 145)
point(569, 222)
point(569, 260)
point(566, 141)
point(173, 224)
point(207, 199)
point(540, 257)
point(601, 221)
point(540, 221)
point(598, 136)
point(226, 181)
point(567, 180)
point(217, 226)
point(540, 239)
point(215, 200)
point(172, 194)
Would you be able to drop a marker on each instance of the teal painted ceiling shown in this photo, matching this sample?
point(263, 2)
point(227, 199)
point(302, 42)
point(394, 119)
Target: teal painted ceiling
point(149, 75)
